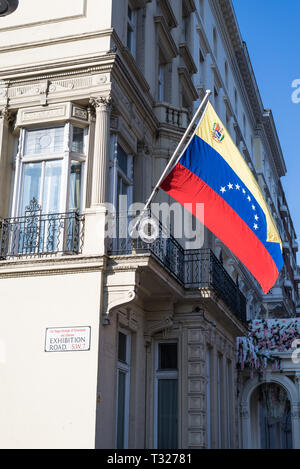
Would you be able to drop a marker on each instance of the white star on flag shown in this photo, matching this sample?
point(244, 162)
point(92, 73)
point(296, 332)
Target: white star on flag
point(223, 189)
point(230, 186)
point(255, 226)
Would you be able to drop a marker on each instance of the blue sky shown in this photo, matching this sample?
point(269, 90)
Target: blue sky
point(271, 31)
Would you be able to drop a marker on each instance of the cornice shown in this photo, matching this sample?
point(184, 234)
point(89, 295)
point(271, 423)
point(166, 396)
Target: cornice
point(55, 41)
point(167, 42)
point(249, 81)
point(188, 83)
point(61, 265)
point(187, 57)
point(58, 69)
point(168, 12)
point(270, 128)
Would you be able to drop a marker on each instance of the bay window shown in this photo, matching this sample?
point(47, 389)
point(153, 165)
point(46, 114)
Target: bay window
point(47, 191)
point(49, 169)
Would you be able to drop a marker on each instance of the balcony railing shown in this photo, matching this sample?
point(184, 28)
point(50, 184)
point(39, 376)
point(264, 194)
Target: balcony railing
point(39, 234)
point(193, 269)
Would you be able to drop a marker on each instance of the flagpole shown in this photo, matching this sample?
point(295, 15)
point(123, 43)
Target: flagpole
point(173, 158)
point(176, 152)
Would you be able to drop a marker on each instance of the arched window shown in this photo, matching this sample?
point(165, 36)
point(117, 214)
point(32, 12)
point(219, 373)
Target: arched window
point(271, 417)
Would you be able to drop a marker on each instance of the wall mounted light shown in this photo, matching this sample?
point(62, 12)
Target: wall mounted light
point(8, 6)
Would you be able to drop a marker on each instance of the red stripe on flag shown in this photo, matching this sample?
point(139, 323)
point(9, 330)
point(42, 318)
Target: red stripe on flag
point(185, 187)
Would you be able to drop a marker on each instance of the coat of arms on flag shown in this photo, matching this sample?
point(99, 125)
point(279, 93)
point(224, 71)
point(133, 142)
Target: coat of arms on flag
point(218, 133)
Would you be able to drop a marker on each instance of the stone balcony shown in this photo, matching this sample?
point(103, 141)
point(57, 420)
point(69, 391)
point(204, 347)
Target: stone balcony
point(170, 115)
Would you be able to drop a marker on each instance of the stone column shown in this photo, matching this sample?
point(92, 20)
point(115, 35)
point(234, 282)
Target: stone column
point(95, 216)
point(102, 106)
point(5, 153)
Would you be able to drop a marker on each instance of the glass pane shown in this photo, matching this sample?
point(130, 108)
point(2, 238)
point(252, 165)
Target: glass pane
point(122, 347)
point(129, 13)
point(121, 410)
point(122, 159)
point(167, 420)
point(52, 183)
point(75, 186)
point(44, 141)
point(78, 140)
point(167, 357)
point(31, 184)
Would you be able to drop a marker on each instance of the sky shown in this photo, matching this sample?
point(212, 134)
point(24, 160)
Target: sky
point(271, 30)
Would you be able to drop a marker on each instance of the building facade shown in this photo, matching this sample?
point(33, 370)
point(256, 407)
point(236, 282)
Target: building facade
point(94, 98)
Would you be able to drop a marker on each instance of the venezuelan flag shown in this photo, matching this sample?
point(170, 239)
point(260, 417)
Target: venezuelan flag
point(213, 172)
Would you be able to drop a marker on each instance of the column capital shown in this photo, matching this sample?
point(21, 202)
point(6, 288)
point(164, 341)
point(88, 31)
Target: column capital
point(6, 115)
point(103, 103)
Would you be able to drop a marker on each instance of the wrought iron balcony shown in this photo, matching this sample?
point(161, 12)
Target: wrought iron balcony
point(193, 269)
point(39, 234)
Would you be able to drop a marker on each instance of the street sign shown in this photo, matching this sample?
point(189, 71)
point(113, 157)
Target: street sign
point(68, 339)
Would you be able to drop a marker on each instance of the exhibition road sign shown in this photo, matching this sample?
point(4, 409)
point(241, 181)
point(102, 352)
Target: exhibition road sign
point(68, 339)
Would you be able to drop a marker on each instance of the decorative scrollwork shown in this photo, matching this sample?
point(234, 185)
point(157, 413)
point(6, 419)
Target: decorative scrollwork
point(41, 234)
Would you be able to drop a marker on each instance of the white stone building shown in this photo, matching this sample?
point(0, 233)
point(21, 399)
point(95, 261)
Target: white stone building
point(94, 97)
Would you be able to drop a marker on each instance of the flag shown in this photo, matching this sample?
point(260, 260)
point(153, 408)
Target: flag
point(212, 171)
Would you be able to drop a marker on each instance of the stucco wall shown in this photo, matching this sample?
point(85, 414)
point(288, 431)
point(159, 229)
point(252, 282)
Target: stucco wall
point(47, 400)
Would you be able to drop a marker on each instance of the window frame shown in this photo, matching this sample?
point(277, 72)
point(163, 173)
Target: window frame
point(124, 367)
point(66, 156)
point(209, 397)
point(132, 30)
point(116, 172)
point(160, 375)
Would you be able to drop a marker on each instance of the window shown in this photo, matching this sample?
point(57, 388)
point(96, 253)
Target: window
point(216, 98)
point(201, 57)
point(201, 68)
point(43, 141)
point(50, 169)
point(162, 70)
point(226, 74)
point(227, 121)
point(244, 126)
point(201, 6)
point(121, 190)
point(229, 397)
point(123, 176)
point(166, 396)
point(215, 42)
point(131, 31)
point(123, 389)
point(185, 23)
point(219, 399)
point(208, 396)
point(184, 29)
point(236, 102)
point(78, 140)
